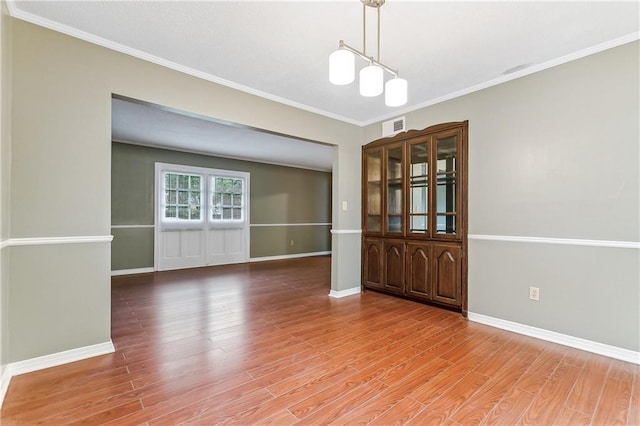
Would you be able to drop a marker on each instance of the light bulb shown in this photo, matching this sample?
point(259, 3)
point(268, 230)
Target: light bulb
point(341, 67)
point(395, 92)
point(371, 79)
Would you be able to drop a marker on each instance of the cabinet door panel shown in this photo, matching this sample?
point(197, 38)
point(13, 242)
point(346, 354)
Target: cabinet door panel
point(394, 266)
point(372, 263)
point(372, 188)
point(446, 274)
point(394, 189)
point(418, 271)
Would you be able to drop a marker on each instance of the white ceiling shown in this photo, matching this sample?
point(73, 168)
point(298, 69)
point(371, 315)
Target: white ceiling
point(152, 125)
point(280, 49)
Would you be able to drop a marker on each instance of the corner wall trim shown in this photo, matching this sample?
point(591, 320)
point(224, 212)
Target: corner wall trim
point(132, 271)
point(561, 241)
point(562, 339)
point(346, 231)
point(289, 256)
point(337, 294)
point(52, 360)
point(5, 379)
point(58, 240)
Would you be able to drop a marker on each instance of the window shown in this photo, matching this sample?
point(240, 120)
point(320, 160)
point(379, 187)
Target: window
point(194, 197)
point(182, 197)
point(227, 195)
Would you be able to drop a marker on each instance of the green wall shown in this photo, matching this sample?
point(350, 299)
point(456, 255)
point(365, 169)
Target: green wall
point(279, 195)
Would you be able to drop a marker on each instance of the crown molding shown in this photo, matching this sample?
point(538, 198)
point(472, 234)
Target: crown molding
point(15, 12)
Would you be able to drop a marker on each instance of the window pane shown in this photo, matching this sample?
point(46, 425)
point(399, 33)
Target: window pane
point(183, 212)
point(226, 213)
point(237, 200)
point(226, 199)
point(183, 197)
point(237, 186)
point(170, 211)
point(195, 198)
point(183, 182)
point(195, 183)
point(195, 212)
point(237, 214)
point(171, 180)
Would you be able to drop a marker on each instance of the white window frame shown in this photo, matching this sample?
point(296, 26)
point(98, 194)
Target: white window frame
point(206, 198)
point(228, 223)
point(177, 221)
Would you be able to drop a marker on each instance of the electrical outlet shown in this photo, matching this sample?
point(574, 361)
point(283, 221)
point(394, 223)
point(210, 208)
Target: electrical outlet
point(534, 293)
point(291, 243)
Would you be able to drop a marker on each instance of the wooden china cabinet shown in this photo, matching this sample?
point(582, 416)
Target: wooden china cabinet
point(414, 215)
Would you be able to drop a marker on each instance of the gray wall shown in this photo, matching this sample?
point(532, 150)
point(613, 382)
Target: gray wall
point(555, 155)
point(5, 178)
point(279, 195)
point(61, 175)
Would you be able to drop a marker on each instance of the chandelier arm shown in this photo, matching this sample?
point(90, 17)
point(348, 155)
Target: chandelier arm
point(364, 28)
point(378, 34)
point(370, 59)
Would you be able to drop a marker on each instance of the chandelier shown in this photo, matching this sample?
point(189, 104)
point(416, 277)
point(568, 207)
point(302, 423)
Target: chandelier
point(342, 66)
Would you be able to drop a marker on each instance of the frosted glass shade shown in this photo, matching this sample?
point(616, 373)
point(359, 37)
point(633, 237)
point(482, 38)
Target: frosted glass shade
point(371, 80)
point(395, 92)
point(342, 67)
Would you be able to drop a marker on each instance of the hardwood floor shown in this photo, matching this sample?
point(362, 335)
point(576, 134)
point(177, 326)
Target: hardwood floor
point(262, 343)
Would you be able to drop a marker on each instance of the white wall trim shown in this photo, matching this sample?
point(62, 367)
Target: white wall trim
point(290, 224)
point(132, 271)
point(131, 226)
point(560, 241)
point(506, 78)
point(337, 294)
point(18, 13)
point(52, 360)
point(562, 339)
point(346, 231)
point(5, 379)
point(57, 240)
point(3, 244)
point(59, 358)
point(289, 256)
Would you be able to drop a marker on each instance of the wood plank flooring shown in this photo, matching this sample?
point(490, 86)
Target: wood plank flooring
point(262, 343)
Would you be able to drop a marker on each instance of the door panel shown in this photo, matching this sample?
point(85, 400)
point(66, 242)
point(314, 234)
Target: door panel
point(202, 217)
point(372, 263)
point(418, 271)
point(181, 249)
point(447, 272)
point(226, 246)
point(394, 266)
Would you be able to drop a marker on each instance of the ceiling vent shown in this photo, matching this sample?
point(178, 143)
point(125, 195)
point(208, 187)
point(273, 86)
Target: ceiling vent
point(392, 127)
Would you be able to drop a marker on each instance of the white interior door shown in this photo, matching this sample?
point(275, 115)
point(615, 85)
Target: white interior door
point(201, 217)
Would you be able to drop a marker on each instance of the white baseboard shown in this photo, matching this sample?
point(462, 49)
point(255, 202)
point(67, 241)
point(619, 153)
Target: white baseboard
point(52, 360)
point(59, 358)
point(132, 271)
point(5, 379)
point(562, 339)
point(289, 256)
point(344, 293)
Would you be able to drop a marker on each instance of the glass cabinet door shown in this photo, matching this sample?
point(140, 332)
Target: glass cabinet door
point(373, 175)
point(446, 191)
point(419, 187)
point(394, 189)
